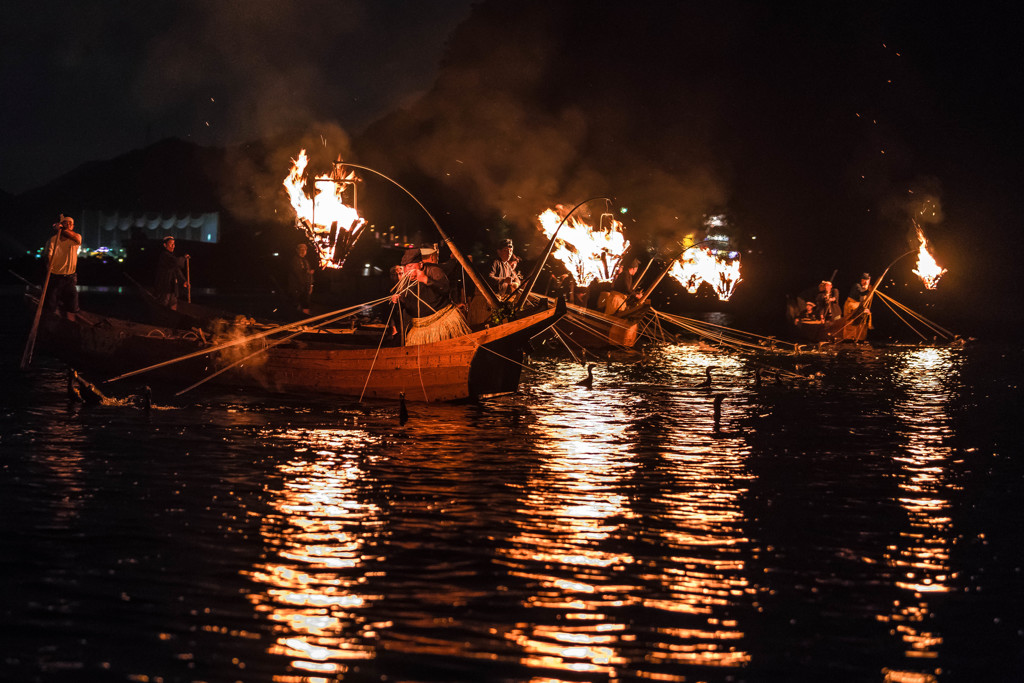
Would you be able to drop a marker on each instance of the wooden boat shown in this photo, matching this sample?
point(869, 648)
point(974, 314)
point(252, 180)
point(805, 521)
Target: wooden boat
point(484, 363)
point(853, 325)
point(587, 328)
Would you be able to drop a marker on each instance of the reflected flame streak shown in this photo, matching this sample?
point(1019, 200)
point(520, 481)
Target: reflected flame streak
point(314, 589)
point(922, 558)
point(568, 547)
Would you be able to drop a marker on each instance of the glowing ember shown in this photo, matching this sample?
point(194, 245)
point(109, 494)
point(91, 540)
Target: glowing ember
point(588, 253)
point(701, 264)
point(927, 269)
point(330, 224)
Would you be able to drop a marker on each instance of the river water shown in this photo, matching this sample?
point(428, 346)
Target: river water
point(862, 525)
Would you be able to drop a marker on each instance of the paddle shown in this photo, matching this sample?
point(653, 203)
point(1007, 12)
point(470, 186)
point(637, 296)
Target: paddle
point(26, 356)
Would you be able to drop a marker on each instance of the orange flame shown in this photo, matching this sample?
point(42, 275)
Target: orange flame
point(325, 218)
point(701, 264)
point(588, 253)
point(927, 269)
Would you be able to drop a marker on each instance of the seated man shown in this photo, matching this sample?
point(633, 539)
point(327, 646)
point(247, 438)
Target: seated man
point(504, 276)
point(825, 304)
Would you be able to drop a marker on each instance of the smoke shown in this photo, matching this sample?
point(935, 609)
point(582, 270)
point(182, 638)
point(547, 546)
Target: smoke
point(520, 120)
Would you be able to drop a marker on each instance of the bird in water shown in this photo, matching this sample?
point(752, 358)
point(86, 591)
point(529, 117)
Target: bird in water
point(706, 384)
point(145, 400)
point(403, 412)
point(589, 381)
point(86, 390)
point(718, 413)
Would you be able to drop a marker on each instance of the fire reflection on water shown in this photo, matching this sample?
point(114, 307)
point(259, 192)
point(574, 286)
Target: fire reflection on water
point(315, 585)
point(922, 557)
point(688, 565)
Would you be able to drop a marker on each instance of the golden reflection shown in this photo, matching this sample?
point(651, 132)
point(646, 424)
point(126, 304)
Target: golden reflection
point(921, 559)
point(586, 578)
point(314, 584)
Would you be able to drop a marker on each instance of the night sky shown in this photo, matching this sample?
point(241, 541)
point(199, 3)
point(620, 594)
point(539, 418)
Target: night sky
point(821, 128)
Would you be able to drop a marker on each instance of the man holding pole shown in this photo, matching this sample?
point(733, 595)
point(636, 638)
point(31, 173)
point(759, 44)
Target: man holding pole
point(62, 262)
point(169, 275)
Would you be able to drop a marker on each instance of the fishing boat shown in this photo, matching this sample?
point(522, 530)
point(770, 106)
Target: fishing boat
point(481, 364)
point(852, 325)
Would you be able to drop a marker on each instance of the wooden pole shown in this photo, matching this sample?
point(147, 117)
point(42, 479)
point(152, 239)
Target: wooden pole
point(188, 281)
point(480, 283)
point(650, 290)
point(26, 356)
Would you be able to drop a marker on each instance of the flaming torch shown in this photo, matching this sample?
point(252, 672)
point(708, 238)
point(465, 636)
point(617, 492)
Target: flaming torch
point(702, 264)
point(588, 253)
point(330, 224)
point(927, 269)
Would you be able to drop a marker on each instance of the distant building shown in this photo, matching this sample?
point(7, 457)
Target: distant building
point(113, 230)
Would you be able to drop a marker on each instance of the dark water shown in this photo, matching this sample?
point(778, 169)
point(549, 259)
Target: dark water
point(864, 526)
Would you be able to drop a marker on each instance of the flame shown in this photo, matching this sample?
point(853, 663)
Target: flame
point(588, 253)
point(331, 225)
point(927, 269)
point(701, 264)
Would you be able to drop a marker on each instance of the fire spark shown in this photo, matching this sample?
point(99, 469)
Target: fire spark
point(927, 269)
point(330, 224)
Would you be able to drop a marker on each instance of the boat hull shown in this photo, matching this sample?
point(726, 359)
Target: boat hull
point(480, 364)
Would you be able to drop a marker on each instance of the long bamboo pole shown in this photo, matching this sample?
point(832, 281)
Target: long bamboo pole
point(480, 283)
point(525, 294)
point(30, 343)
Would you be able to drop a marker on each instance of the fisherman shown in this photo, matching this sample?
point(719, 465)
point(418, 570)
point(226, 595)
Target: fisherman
point(300, 278)
point(825, 303)
point(62, 262)
point(859, 290)
point(808, 314)
point(169, 275)
point(504, 276)
point(423, 287)
point(857, 299)
point(425, 294)
point(625, 281)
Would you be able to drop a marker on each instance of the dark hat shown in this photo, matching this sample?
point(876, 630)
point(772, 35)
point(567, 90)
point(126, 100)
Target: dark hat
point(635, 263)
point(505, 243)
point(865, 276)
point(411, 255)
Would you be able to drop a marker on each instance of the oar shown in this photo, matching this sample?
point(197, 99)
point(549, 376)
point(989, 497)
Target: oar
point(26, 356)
point(188, 281)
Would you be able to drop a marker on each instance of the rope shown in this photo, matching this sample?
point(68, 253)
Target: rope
point(375, 353)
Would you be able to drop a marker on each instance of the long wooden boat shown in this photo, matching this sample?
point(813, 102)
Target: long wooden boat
point(477, 365)
point(587, 328)
point(853, 325)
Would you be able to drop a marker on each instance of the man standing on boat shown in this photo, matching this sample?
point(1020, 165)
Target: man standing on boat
point(504, 276)
point(169, 275)
point(826, 302)
point(857, 297)
point(300, 278)
point(62, 263)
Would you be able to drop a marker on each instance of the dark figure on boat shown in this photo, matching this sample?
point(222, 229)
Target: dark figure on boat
point(625, 281)
point(169, 275)
point(826, 303)
point(300, 278)
point(62, 263)
point(504, 276)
